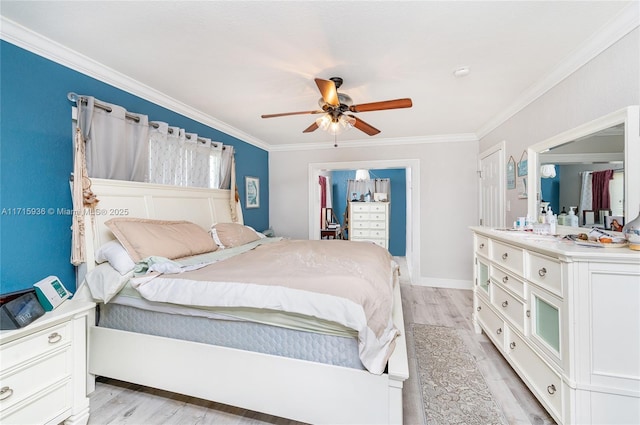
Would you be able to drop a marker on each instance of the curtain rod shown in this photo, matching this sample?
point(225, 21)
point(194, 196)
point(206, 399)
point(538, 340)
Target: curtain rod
point(75, 98)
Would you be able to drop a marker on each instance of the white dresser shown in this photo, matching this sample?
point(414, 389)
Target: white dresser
point(43, 368)
point(567, 319)
point(369, 221)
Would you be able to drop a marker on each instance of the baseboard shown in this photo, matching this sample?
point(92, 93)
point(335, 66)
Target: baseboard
point(445, 283)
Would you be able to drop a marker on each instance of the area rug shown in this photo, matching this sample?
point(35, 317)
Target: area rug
point(453, 389)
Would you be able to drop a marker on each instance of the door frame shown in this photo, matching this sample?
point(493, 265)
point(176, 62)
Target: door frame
point(412, 168)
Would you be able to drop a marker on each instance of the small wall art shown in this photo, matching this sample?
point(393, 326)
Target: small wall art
point(511, 173)
point(252, 192)
point(522, 165)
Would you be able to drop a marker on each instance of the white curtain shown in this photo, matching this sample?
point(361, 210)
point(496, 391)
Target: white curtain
point(586, 193)
point(225, 167)
point(117, 142)
point(183, 159)
point(359, 189)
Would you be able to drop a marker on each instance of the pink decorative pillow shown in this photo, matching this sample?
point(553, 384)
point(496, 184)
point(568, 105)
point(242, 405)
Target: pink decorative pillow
point(171, 239)
point(228, 235)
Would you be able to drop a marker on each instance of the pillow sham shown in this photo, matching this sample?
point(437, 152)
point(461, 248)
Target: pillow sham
point(171, 239)
point(228, 235)
point(116, 255)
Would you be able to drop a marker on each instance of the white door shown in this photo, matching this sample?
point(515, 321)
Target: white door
point(492, 211)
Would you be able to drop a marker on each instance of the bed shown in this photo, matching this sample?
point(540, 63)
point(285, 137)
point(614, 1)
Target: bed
point(292, 386)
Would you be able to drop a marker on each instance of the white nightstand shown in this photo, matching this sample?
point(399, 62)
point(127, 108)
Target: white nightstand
point(43, 368)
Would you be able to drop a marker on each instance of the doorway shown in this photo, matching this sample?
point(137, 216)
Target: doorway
point(412, 167)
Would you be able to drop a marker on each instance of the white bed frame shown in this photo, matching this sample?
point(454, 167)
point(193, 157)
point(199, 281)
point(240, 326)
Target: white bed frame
point(294, 389)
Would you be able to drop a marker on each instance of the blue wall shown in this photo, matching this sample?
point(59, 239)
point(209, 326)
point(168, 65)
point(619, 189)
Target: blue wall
point(550, 189)
point(398, 216)
point(36, 157)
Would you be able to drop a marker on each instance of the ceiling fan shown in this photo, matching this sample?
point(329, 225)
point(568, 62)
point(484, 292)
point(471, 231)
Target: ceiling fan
point(337, 108)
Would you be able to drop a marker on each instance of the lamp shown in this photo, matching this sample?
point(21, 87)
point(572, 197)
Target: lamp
point(362, 174)
point(335, 125)
point(547, 171)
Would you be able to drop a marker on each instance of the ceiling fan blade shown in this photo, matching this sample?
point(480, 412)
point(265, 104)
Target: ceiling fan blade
point(379, 106)
point(312, 127)
point(328, 90)
point(284, 114)
point(363, 126)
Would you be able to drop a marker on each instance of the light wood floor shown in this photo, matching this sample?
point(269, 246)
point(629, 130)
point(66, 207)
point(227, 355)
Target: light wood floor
point(116, 402)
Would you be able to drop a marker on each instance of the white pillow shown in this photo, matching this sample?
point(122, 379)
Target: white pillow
point(116, 255)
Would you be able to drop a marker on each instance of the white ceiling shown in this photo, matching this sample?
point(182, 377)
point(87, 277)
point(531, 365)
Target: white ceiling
point(232, 61)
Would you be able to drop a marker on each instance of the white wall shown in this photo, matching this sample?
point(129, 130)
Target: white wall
point(607, 83)
point(447, 191)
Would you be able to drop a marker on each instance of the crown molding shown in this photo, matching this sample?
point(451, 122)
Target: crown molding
point(625, 22)
point(29, 40)
point(368, 143)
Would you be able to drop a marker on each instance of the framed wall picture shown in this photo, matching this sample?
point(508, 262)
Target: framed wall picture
point(252, 192)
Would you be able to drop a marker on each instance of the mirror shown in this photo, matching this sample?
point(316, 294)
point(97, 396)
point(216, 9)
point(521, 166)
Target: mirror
point(563, 169)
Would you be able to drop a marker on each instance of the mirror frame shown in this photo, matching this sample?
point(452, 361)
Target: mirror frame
point(630, 117)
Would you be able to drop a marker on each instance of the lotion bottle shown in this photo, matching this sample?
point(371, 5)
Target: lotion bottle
point(572, 218)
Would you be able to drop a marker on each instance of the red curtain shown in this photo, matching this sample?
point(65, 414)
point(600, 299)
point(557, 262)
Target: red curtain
point(323, 199)
point(600, 190)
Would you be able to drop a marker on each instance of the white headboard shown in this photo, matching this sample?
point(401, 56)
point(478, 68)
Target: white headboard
point(146, 200)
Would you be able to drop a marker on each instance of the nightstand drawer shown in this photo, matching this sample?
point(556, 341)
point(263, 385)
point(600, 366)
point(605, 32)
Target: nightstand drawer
point(54, 403)
point(34, 377)
point(31, 346)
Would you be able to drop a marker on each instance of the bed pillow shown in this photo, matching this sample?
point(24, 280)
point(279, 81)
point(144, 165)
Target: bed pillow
point(171, 239)
point(116, 255)
point(228, 235)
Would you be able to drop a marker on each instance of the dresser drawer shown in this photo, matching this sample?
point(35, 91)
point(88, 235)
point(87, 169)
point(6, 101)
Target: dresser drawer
point(34, 345)
point(546, 272)
point(54, 403)
point(482, 245)
point(357, 217)
point(493, 324)
point(357, 207)
point(545, 382)
point(508, 280)
point(34, 377)
point(360, 233)
point(509, 257)
point(377, 233)
point(377, 216)
point(377, 207)
point(510, 306)
point(378, 224)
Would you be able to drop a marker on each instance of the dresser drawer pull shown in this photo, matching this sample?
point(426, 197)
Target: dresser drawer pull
point(499, 331)
point(551, 389)
point(481, 245)
point(512, 345)
point(505, 279)
point(505, 303)
point(542, 272)
point(505, 256)
point(54, 338)
point(528, 313)
point(5, 393)
point(479, 308)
